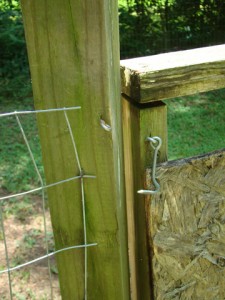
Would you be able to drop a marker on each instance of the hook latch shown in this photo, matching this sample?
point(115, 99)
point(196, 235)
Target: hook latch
point(156, 143)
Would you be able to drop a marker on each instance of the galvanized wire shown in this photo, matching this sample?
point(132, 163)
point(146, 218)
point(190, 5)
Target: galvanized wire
point(43, 198)
point(42, 188)
point(83, 201)
point(6, 252)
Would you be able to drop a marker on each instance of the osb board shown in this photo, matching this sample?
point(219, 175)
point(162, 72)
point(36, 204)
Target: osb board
point(186, 226)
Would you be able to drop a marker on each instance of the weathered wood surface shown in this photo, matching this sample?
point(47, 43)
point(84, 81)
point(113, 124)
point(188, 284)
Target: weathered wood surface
point(73, 49)
point(186, 224)
point(138, 124)
point(174, 74)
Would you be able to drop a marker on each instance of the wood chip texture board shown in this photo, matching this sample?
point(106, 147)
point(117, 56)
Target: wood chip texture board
point(186, 226)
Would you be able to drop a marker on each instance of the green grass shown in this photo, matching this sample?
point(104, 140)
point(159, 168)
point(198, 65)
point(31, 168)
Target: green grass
point(196, 124)
point(20, 209)
point(17, 172)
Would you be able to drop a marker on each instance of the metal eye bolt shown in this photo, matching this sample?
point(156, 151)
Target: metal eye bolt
point(156, 143)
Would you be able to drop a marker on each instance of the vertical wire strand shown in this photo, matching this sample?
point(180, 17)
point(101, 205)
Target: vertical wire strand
point(6, 252)
point(83, 203)
point(43, 199)
point(73, 141)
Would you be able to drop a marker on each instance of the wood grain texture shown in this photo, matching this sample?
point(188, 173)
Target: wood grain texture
point(134, 178)
point(186, 225)
point(174, 74)
point(138, 124)
point(73, 49)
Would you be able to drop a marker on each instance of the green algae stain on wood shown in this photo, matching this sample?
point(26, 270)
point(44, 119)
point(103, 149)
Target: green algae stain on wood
point(73, 50)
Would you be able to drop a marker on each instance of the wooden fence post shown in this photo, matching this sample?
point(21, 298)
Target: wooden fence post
point(73, 50)
point(140, 120)
point(145, 82)
point(139, 123)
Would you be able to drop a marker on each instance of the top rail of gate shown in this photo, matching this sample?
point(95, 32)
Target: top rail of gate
point(174, 74)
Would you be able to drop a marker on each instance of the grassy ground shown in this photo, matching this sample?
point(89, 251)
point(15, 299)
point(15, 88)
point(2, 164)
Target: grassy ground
point(196, 124)
point(16, 169)
point(23, 215)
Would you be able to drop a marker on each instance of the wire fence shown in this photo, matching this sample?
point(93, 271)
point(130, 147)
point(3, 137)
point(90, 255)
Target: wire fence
point(49, 253)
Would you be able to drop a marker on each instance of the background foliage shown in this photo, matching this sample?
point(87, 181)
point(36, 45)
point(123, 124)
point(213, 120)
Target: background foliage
point(153, 26)
point(14, 70)
point(16, 171)
point(146, 27)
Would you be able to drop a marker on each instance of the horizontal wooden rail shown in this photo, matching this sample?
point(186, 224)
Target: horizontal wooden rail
point(169, 75)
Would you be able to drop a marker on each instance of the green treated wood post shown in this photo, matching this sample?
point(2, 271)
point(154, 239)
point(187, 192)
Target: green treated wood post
point(73, 49)
point(140, 120)
point(138, 124)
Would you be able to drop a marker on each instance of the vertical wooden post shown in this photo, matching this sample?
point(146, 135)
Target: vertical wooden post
point(138, 124)
point(73, 50)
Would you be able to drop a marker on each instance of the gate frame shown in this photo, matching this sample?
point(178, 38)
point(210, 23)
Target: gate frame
point(146, 81)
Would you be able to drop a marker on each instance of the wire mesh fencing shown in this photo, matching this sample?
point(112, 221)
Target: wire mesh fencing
point(27, 251)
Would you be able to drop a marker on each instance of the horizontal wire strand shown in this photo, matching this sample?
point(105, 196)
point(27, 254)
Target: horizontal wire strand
point(83, 203)
point(46, 256)
point(26, 112)
point(45, 187)
point(43, 198)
